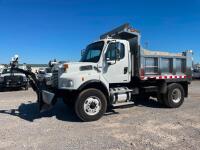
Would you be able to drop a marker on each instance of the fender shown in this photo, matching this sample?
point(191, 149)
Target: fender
point(96, 84)
point(92, 82)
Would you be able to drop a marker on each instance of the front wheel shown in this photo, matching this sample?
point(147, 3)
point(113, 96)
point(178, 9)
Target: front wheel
point(90, 105)
point(175, 96)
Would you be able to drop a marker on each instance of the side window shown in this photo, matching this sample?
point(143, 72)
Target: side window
point(111, 52)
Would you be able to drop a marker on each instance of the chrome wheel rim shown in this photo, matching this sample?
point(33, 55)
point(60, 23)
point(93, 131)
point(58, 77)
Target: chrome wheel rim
point(176, 95)
point(92, 105)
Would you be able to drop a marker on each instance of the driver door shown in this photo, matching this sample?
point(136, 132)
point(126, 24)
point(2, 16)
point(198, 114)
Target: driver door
point(116, 64)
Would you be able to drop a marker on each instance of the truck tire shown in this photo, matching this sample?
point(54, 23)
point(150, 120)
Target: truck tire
point(90, 105)
point(174, 98)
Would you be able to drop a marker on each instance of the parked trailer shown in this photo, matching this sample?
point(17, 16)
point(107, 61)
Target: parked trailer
point(116, 70)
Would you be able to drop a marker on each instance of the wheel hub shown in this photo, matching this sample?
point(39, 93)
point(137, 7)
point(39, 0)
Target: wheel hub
point(176, 95)
point(92, 105)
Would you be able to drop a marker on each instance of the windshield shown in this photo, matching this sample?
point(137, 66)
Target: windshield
point(93, 52)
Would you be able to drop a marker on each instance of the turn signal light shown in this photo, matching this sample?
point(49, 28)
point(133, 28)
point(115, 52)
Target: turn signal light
point(65, 66)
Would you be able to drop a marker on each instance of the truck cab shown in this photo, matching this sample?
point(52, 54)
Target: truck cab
point(106, 61)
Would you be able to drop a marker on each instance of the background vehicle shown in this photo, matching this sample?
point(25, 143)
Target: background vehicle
point(44, 75)
point(116, 70)
point(196, 71)
point(13, 79)
point(1, 69)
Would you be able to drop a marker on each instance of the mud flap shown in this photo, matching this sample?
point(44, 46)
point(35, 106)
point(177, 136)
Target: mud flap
point(46, 100)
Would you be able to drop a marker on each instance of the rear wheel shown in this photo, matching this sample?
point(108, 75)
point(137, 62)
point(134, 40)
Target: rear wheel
point(175, 96)
point(90, 105)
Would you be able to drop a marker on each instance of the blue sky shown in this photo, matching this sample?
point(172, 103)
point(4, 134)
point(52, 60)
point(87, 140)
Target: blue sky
point(40, 30)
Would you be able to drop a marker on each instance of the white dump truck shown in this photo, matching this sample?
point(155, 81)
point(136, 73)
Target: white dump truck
point(116, 70)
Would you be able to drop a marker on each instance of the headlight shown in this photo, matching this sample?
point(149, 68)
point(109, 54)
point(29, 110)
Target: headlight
point(1, 79)
point(67, 83)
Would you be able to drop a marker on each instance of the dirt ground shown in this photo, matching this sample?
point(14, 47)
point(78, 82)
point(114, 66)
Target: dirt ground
point(146, 126)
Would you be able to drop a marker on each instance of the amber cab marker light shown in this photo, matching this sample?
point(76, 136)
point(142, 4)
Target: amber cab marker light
point(65, 66)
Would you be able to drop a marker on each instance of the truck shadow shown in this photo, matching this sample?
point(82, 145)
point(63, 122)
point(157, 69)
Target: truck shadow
point(30, 111)
point(149, 103)
point(12, 89)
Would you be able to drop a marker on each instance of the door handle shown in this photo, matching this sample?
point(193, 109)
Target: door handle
point(125, 70)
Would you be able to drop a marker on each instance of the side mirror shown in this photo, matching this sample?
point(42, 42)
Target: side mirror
point(110, 62)
point(82, 52)
point(117, 50)
point(117, 54)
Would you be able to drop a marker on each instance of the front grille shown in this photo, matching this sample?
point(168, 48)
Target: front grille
point(55, 78)
point(13, 79)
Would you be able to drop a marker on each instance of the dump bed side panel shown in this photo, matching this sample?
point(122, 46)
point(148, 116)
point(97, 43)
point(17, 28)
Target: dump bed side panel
point(164, 65)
